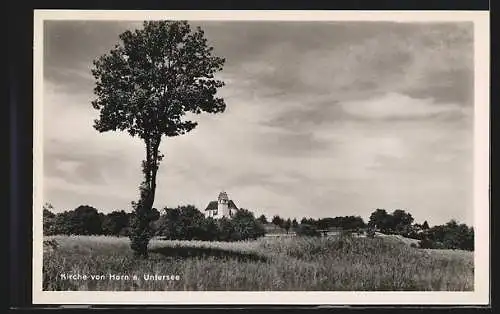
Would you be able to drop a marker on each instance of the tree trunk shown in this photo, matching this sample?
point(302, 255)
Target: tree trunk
point(141, 232)
point(154, 168)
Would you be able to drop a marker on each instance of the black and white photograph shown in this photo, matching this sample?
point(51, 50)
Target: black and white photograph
point(249, 153)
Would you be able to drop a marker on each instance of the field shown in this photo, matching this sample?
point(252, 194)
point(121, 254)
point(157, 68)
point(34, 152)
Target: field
point(267, 264)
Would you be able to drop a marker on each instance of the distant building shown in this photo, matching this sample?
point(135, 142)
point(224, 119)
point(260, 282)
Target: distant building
point(223, 207)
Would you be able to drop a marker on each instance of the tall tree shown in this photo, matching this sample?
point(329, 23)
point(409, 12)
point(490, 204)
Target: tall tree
point(352, 223)
point(262, 219)
point(192, 220)
point(209, 229)
point(48, 219)
point(146, 85)
point(246, 226)
point(85, 220)
point(114, 222)
point(287, 224)
point(401, 221)
point(182, 223)
point(380, 220)
point(169, 224)
point(277, 220)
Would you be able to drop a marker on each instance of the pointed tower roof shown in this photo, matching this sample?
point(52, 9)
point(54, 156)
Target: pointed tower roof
point(223, 196)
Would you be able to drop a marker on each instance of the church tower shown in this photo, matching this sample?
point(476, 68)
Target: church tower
point(223, 204)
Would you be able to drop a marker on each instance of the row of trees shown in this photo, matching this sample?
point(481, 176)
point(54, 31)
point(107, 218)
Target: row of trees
point(447, 236)
point(180, 223)
point(287, 224)
point(86, 220)
point(450, 235)
point(345, 222)
point(397, 222)
point(188, 223)
point(183, 223)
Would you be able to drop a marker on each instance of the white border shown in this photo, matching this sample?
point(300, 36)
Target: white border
point(481, 294)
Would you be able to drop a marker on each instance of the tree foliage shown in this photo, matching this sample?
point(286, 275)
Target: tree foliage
point(188, 223)
point(146, 85)
point(342, 222)
point(380, 220)
point(287, 224)
point(181, 223)
point(308, 221)
point(399, 221)
point(262, 219)
point(307, 230)
point(277, 220)
point(85, 220)
point(48, 219)
point(115, 222)
point(246, 226)
point(451, 235)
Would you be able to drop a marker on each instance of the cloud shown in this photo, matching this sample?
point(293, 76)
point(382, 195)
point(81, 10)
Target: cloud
point(300, 57)
point(71, 46)
point(424, 60)
point(291, 144)
point(78, 165)
point(394, 106)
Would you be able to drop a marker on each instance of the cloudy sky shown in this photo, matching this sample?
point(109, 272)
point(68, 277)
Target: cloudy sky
point(322, 119)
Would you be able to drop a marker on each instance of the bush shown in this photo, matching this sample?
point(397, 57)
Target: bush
point(225, 230)
point(242, 226)
point(125, 232)
point(346, 233)
point(188, 223)
point(426, 243)
point(370, 233)
point(246, 226)
point(450, 236)
point(182, 223)
point(307, 230)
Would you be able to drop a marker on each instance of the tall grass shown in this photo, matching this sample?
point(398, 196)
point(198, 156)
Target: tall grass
point(286, 264)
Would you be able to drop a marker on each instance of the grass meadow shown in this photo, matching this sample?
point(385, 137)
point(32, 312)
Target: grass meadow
point(278, 264)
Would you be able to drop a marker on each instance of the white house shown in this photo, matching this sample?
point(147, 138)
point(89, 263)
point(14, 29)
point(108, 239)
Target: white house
point(223, 207)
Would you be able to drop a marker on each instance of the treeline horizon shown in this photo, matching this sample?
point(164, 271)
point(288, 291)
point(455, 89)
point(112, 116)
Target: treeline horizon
point(269, 217)
point(186, 222)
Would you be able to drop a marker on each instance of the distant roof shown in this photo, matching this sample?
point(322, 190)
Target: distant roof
point(231, 205)
point(214, 205)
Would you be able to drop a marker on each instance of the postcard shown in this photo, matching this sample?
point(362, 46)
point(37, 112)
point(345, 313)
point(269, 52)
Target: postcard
point(261, 157)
